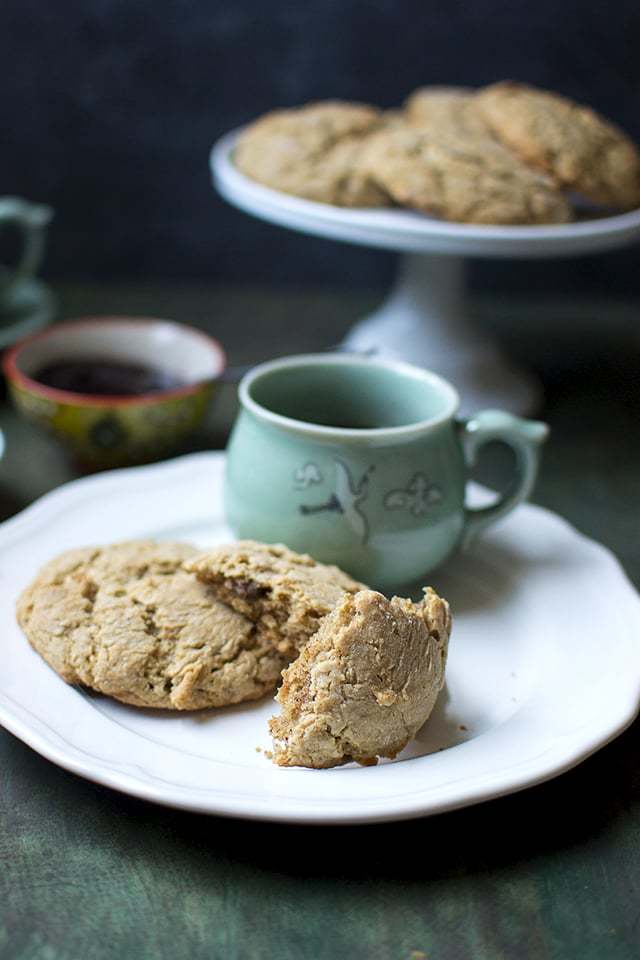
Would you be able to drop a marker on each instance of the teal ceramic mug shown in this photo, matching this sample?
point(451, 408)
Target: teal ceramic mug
point(363, 463)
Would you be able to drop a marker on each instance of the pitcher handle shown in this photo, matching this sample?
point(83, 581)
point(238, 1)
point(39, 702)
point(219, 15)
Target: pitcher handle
point(31, 219)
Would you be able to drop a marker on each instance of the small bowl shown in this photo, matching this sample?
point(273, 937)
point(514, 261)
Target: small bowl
point(116, 430)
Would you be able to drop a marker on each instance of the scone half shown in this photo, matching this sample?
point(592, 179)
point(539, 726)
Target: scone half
point(128, 621)
point(365, 683)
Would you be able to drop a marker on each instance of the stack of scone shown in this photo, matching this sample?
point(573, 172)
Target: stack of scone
point(504, 154)
point(162, 625)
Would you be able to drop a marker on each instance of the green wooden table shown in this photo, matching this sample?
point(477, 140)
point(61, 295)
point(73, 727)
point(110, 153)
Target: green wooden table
point(553, 872)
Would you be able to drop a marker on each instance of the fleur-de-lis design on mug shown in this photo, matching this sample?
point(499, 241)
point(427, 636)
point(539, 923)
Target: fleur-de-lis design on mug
point(416, 497)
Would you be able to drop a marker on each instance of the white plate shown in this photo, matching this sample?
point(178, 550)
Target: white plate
point(397, 229)
point(544, 669)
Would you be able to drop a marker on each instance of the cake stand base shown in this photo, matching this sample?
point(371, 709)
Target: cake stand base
point(424, 321)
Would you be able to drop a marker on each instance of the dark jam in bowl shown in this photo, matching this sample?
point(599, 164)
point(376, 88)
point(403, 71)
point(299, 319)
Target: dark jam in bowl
point(106, 378)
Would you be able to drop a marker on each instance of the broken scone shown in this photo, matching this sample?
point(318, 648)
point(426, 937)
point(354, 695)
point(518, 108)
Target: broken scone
point(366, 682)
point(286, 594)
point(129, 622)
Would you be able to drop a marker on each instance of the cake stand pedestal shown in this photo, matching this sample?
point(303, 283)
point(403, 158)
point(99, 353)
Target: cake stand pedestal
point(425, 318)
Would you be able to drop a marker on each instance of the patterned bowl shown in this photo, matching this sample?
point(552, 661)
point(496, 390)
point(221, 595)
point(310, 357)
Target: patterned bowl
point(117, 430)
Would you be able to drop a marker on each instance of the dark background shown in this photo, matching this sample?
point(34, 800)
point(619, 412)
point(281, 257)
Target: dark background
point(109, 109)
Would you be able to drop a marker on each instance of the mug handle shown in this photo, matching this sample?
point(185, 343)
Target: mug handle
point(31, 218)
point(525, 438)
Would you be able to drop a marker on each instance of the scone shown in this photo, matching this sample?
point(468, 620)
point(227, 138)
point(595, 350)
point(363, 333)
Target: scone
point(286, 594)
point(128, 621)
point(461, 177)
point(365, 684)
point(313, 152)
point(571, 142)
point(445, 109)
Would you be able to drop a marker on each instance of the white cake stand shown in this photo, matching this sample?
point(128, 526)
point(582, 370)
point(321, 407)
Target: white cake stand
point(424, 319)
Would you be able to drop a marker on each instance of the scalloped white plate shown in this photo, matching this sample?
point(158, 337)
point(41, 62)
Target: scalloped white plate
point(544, 669)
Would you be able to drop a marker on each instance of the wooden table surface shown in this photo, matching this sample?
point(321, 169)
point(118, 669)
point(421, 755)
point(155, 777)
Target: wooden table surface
point(552, 872)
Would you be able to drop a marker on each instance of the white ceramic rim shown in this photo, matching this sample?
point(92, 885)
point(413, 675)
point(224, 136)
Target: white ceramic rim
point(406, 431)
